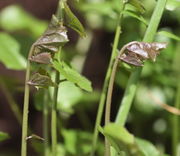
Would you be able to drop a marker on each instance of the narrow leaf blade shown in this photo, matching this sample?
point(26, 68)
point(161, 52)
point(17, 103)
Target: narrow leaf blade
point(169, 34)
point(72, 21)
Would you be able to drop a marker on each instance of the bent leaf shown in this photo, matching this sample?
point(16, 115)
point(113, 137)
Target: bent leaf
point(10, 53)
point(72, 75)
point(3, 136)
point(72, 21)
point(169, 34)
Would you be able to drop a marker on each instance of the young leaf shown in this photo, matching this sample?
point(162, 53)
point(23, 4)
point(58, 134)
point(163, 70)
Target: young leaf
point(135, 15)
point(72, 75)
point(72, 21)
point(169, 34)
point(41, 81)
point(3, 136)
point(10, 53)
point(138, 5)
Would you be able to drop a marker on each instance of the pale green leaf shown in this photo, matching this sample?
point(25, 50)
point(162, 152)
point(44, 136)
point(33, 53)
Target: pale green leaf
point(3, 136)
point(72, 75)
point(10, 53)
point(169, 34)
point(72, 21)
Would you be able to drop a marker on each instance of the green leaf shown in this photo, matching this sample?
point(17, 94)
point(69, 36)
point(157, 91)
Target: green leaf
point(147, 147)
point(138, 5)
point(135, 15)
point(10, 53)
point(72, 21)
point(169, 34)
point(72, 75)
point(3, 136)
point(14, 18)
point(121, 139)
point(172, 4)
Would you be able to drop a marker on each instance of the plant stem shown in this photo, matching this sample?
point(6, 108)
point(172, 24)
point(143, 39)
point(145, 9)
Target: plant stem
point(54, 117)
point(175, 126)
point(105, 85)
point(26, 107)
point(175, 118)
point(133, 80)
point(45, 124)
point(110, 91)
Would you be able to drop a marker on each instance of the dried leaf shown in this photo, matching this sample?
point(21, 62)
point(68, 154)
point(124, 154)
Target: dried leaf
point(137, 52)
point(131, 58)
point(44, 58)
point(42, 81)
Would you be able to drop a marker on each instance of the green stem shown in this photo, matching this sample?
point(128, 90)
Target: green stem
point(104, 90)
point(45, 124)
point(133, 80)
point(175, 126)
point(26, 107)
point(109, 93)
point(54, 117)
point(106, 81)
point(175, 118)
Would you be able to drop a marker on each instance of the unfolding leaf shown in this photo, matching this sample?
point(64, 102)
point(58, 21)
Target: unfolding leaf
point(72, 21)
point(54, 37)
point(169, 34)
point(138, 5)
point(10, 53)
point(3, 136)
point(42, 81)
point(135, 15)
point(44, 58)
point(141, 51)
point(72, 75)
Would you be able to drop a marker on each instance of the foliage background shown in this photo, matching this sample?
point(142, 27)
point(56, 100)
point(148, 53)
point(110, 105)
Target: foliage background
point(21, 22)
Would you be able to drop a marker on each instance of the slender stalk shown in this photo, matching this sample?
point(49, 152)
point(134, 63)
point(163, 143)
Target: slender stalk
point(54, 118)
point(45, 124)
point(105, 85)
point(26, 107)
point(175, 118)
point(133, 80)
point(175, 126)
point(109, 94)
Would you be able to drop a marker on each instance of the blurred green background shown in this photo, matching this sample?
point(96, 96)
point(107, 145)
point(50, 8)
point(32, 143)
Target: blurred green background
point(22, 22)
